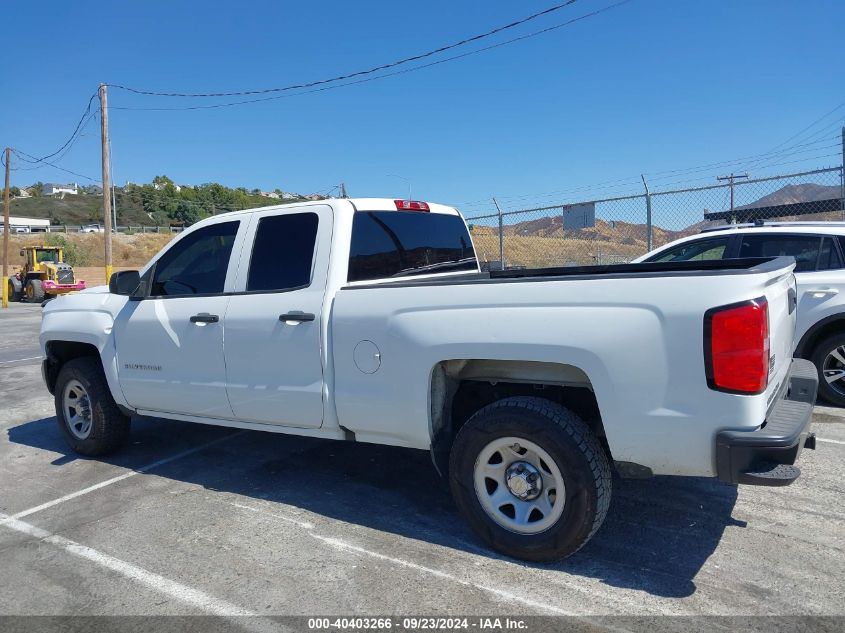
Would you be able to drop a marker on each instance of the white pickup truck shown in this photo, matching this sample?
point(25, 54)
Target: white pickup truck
point(368, 320)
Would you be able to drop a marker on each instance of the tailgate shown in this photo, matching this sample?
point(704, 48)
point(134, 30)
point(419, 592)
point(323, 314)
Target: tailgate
point(782, 297)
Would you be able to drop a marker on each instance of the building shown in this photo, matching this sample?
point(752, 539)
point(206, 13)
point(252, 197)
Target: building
point(161, 185)
point(270, 194)
point(27, 225)
point(52, 189)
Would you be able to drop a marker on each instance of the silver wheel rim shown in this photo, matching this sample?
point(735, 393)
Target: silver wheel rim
point(502, 478)
point(833, 370)
point(77, 409)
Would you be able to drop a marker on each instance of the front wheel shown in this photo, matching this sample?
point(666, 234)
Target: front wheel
point(829, 359)
point(530, 478)
point(34, 291)
point(88, 416)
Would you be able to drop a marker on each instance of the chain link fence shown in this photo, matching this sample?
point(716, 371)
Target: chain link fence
point(619, 229)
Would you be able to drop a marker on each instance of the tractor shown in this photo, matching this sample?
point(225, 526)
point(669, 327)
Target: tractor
point(44, 275)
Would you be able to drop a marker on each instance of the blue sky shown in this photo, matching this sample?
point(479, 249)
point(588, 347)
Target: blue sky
point(650, 86)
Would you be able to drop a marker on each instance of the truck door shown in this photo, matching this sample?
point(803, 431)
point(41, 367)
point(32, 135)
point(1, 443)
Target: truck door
point(170, 344)
point(273, 327)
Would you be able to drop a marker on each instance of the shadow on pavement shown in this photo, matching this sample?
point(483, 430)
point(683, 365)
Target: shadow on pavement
point(657, 535)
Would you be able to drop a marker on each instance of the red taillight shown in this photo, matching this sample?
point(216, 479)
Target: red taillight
point(411, 205)
point(736, 347)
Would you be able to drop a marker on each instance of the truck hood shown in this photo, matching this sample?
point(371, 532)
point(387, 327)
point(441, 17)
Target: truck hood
point(96, 290)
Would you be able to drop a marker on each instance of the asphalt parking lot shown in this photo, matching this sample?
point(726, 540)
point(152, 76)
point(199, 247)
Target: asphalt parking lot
point(193, 519)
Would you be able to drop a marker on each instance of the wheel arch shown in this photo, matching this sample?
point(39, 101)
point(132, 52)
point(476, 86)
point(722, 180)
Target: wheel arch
point(819, 331)
point(461, 387)
point(59, 352)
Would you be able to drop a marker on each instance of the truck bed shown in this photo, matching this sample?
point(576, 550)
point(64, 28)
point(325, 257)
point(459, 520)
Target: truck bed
point(739, 266)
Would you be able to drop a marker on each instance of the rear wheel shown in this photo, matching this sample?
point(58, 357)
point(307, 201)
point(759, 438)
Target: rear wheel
point(530, 478)
point(14, 293)
point(34, 291)
point(86, 413)
point(829, 359)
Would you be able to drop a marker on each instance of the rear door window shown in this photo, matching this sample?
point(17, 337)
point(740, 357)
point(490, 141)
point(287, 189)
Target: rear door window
point(404, 243)
point(695, 251)
point(283, 252)
point(804, 248)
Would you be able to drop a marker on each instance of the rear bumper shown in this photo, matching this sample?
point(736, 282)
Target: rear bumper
point(765, 456)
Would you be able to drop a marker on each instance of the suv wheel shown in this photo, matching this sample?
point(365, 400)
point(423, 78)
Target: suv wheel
point(530, 478)
point(829, 359)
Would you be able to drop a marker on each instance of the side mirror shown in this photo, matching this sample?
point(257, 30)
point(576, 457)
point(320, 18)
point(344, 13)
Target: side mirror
point(127, 283)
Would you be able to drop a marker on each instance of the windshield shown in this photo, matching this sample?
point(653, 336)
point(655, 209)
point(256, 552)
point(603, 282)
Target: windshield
point(47, 255)
point(401, 243)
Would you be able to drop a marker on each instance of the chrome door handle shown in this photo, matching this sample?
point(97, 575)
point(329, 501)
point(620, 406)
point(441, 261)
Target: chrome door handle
point(296, 315)
point(205, 317)
point(823, 291)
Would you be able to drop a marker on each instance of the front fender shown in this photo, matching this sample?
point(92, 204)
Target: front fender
point(64, 319)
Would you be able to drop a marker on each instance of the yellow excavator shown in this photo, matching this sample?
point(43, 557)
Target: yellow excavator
point(44, 275)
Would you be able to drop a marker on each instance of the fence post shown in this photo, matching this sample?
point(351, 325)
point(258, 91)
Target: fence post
point(501, 237)
point(842, 174)
point(647, 215)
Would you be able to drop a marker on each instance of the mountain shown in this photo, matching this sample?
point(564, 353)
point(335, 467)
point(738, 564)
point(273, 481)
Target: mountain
point(790, 194)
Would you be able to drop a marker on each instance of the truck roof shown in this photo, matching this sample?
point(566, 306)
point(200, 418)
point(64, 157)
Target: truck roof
point(357, 204)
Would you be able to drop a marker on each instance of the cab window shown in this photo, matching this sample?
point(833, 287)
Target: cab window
point(807, 250)
point(283, 253)
point(197, 263)
point(695, 251)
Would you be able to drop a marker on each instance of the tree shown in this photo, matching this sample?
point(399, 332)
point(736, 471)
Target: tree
point(14, 192)
point(35, 190)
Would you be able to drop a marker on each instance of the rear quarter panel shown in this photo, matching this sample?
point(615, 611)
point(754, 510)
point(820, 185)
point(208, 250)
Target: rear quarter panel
point(639, 340)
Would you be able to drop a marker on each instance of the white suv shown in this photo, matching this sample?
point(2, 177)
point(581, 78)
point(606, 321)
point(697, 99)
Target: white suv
point(819, 252)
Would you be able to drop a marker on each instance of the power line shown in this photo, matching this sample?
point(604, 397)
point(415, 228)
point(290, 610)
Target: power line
point(359, 73)
point(383, 76)
point(72, 136)
point(22, 155)
point(666, 174)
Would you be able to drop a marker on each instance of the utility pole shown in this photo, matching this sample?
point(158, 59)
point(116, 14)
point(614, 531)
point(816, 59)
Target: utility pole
point(648, 229)
point(343, 193)
point(104, 133)
point(731, 178)
point(6, 204)
point(501, 237)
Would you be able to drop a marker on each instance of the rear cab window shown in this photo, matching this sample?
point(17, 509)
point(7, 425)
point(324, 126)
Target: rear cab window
point(390, 244)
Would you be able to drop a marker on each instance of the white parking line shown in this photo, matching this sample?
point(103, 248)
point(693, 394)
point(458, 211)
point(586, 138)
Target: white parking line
point(19, 360)
point(342, 545)
point(821, 439)
point(499, 593)
point(171, 588)
point(114, 480)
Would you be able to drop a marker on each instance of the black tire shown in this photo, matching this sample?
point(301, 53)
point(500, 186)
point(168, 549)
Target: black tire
point(576, 452)
point(109, 427)
point(34, 291)
point(820, 353)
point(14, 293)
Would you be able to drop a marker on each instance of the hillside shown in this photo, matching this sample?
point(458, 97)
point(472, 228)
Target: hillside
point(81, 209)
point(161, 203)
